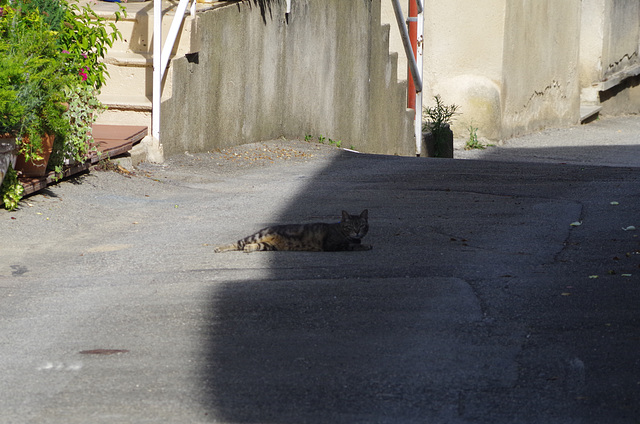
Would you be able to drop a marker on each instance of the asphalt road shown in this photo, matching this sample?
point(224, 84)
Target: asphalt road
point(480, 302)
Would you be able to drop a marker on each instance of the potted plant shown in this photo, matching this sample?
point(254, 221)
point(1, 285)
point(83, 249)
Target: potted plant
point(51, 70)
point(36, 94)
point(437, 136)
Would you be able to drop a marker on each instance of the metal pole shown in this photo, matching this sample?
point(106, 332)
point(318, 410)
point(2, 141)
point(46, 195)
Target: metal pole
point(172, 35)
point(407, 45)
point(157, 69)
point(414, 97)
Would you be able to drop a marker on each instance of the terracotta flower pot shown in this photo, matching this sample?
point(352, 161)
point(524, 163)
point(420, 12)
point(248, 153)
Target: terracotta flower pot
point(37, 168)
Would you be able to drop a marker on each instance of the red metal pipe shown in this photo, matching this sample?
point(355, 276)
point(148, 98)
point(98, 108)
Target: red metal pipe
point(413, 36)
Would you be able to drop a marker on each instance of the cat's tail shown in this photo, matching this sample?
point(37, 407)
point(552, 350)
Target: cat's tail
point(247, 244)
point(228, 248)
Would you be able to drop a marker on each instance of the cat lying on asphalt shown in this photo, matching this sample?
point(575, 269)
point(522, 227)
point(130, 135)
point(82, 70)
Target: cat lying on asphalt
point(316, 237)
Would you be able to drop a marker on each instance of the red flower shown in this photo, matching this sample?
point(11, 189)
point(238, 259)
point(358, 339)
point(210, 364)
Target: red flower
point(83, 74)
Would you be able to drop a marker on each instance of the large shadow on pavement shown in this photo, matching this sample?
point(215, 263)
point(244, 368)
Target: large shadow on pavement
point(437, 323)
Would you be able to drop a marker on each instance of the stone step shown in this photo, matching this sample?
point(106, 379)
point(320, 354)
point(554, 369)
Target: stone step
point(125, 109)
point(132, 74)
point(137, 27)
point(588, 110)
point(129, 58)
point(128, 80)
point(128, 90)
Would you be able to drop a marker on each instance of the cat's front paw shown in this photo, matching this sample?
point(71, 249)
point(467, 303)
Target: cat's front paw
point(359, 247)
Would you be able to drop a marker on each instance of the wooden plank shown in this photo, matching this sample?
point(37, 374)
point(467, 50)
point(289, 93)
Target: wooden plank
point(131, 133)
point(112, 141)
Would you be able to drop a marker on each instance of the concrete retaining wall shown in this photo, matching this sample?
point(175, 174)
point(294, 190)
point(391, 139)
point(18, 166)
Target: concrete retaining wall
point(326, 70)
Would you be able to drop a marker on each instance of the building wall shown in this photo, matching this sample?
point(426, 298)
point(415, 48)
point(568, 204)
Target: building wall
point(540, 84)
point(609, 44)
point(326, 70)
point(463, 60)
point(621, 35)
point(515, 67)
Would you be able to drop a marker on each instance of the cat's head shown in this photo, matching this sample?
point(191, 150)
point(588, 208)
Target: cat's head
point(355, 226)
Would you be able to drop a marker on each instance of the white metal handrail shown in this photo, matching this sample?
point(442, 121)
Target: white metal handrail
point(408, 49)
point(162, 55)
point(415, 62)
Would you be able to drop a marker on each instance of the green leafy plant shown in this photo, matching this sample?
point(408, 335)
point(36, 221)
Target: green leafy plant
point(308, 138)
point(42, 96)
point(85, 39)
point(34, 45)
point(321, 139)
point(438, 120)
point(438, 116)
point(52, 11)
point(337, 143)
point(473, 142)
point(77, 145)
point(26, 39)
point(11, 190)
point(11, 111)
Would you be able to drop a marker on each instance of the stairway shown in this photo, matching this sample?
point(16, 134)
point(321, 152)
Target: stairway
point(128, 90)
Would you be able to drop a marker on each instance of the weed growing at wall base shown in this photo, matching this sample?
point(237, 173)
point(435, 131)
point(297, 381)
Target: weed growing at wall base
point(322, 139)
point(473, 142)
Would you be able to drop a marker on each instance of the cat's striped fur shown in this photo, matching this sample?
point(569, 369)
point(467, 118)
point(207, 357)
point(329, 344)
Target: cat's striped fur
point(317, 237)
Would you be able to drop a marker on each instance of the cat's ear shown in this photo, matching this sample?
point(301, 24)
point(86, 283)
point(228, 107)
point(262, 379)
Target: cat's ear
point(365, 214)
point(345, 216)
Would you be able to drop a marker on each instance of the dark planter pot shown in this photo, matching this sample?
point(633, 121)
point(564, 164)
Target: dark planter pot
point(441, 147)
point(8, 155)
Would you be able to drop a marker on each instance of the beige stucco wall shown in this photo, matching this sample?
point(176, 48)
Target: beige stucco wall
point(510, 66)
point(463, 61)
point(621, 35)
point(592, 41)
point(327, 71)
point(540, 85)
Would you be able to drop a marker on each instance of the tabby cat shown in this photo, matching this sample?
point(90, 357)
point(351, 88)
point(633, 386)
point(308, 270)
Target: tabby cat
point(317, 237)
